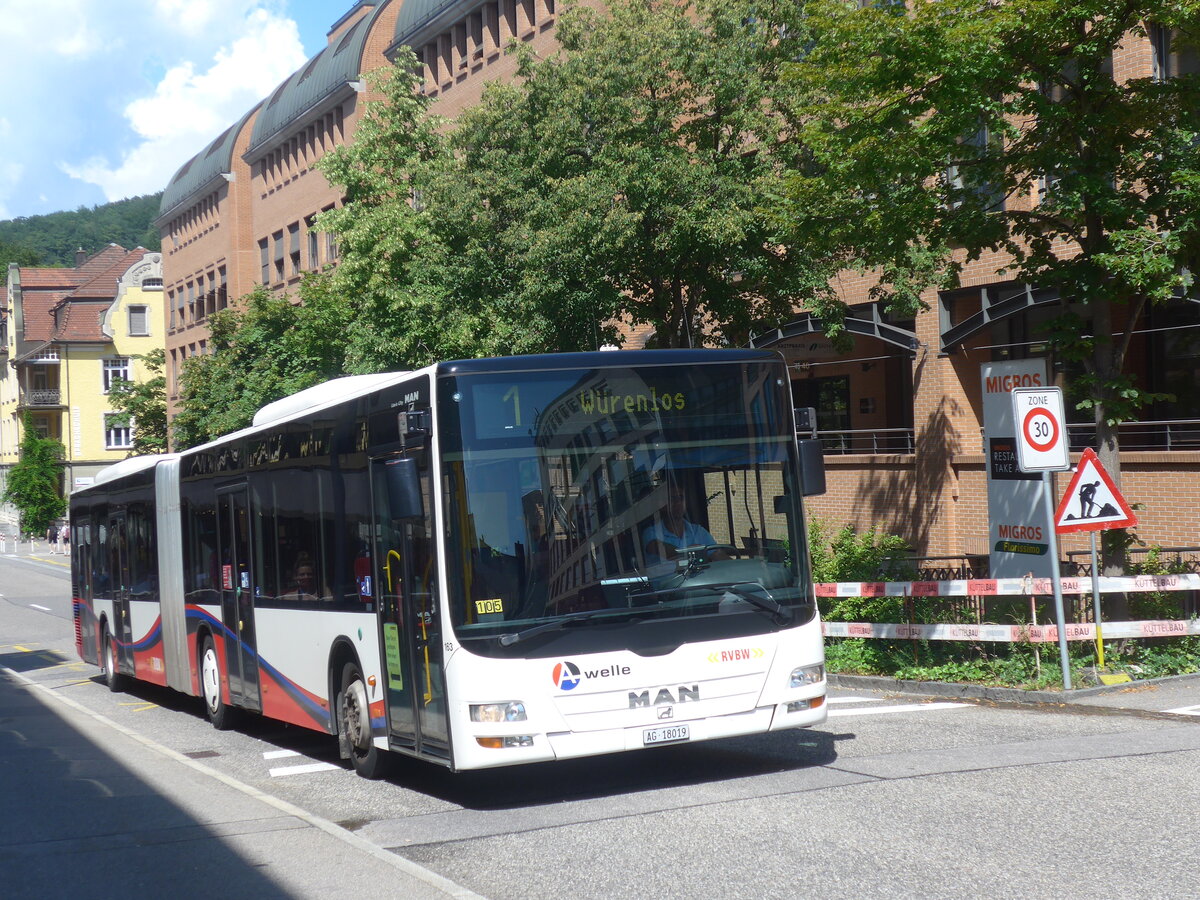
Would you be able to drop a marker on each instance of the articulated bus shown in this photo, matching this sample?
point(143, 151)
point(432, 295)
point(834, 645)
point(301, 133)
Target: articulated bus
point(480, 563)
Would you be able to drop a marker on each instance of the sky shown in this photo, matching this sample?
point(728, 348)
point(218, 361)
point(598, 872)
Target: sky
point(106, 99)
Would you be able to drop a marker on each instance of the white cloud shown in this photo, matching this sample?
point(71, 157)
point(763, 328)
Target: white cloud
point(189, 107)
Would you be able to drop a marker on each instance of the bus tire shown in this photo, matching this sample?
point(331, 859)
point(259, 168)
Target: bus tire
point(354, 725)
point(108, 662)
point(220, 714)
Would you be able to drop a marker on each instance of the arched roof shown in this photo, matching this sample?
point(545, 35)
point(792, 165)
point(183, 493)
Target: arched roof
point(336, 65)
point(415, 13)
point(215, 159)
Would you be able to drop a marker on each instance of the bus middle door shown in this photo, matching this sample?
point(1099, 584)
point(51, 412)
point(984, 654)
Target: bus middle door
point(237, 595)
point(118, 569)
point(406, 590)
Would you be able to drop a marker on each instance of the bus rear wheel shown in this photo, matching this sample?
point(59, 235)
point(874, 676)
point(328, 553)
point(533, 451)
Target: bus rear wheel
point(112, 672)
point(354, 725)
point(217, 712)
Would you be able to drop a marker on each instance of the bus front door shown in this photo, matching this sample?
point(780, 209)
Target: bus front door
point(237, 596)
point(406, 593)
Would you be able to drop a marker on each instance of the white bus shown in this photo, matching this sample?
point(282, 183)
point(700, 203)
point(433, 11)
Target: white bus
point(480, 563)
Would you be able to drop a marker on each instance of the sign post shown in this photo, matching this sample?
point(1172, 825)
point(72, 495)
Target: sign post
point(1100, 507)
point(1042, 447)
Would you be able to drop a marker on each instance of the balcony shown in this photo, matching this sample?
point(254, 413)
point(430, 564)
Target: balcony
point(43, 398)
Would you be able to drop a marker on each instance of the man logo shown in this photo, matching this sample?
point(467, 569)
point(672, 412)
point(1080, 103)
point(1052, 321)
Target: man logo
point(566, 676)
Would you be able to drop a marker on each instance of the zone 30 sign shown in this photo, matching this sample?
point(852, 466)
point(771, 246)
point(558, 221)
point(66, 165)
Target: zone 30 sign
point(1042, 444)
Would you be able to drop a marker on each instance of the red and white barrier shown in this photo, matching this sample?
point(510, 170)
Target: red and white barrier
point(1006, 587)
point(1012, 634)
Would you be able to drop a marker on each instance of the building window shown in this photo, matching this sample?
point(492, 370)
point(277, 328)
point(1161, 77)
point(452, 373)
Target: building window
point(294, 247)
point(223, 289)
point(310, 229)
point(264, 258)
point(117, 436)
point(115, 368)
point(279, 255)
point(139, 321)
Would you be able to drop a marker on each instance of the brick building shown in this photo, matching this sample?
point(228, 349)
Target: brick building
point(901, 413)
point(65, 334)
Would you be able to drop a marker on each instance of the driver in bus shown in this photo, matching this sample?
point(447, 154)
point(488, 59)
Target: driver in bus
point(673, 531)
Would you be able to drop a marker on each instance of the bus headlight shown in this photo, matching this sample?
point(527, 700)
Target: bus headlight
point(509, 711)
point(806, 675)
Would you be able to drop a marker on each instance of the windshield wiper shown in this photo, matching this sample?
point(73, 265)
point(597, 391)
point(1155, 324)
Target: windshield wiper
point(507, 640)
point(756, 595)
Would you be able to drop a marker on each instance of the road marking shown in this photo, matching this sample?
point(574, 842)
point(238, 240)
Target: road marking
point(280, 754)
point(42, 608)
point(853, 699)
point(140, 706)
point(1185, 710)
point(304, 770)
point(905, 707)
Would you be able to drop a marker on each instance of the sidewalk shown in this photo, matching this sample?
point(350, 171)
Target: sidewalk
point(1154, 696)
point(91, 809)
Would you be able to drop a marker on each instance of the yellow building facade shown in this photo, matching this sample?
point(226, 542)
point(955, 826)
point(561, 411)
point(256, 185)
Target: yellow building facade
point(65, 336)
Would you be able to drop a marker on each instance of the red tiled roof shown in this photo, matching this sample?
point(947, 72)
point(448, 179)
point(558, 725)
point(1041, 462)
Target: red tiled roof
point(104, 283)
point(49, 278)
point(38, 309)
point(79, 320)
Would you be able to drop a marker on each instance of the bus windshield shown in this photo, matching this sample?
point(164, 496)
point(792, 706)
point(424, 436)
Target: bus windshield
point(582, 500)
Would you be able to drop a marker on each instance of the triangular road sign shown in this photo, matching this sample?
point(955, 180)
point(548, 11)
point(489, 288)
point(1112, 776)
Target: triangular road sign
point(1092, 502)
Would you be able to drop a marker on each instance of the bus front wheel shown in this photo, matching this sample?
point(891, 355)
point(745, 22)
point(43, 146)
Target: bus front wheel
point(217, 712)
point(354, 725)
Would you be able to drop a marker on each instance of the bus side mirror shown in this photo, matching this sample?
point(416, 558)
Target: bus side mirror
point(403, 488)
point(812, 466)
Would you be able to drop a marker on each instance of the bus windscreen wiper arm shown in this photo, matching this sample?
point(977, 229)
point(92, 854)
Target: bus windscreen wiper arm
point(507, 640)
point(757, 596)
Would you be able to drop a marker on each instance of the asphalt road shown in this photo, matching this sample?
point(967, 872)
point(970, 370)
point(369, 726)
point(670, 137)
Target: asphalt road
point(894, 797)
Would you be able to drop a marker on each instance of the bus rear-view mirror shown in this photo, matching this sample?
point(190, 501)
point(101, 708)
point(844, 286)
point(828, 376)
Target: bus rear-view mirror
point(404, 488)
point(812, 466)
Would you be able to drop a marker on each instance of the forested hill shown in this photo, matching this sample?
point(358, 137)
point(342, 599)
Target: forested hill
point(52, 240)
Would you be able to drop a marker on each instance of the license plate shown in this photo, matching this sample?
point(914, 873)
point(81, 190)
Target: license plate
point(669, 734)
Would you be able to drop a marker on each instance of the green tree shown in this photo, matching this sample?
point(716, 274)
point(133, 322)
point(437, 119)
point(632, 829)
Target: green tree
point(35, 482)
point(264, 348)
point(144, 404)
point(932, 127)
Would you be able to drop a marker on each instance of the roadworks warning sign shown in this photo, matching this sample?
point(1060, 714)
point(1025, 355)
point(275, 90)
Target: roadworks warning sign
point(1092, 501)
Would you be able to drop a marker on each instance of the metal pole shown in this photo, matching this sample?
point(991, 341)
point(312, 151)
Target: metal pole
point(1056, 580)
point(1096, 601)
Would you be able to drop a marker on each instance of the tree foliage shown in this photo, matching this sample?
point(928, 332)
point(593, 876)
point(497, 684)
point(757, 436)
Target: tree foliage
point(34, 484)
point(54, 238)
point(936, 127)
point(616, 180)
point(144, 405)
point(264, 348)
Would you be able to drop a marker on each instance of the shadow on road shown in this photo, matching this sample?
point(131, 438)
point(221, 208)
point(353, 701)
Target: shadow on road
point(78, 821)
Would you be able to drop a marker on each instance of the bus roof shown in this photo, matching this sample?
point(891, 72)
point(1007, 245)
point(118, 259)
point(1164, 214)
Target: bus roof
point(604, 358)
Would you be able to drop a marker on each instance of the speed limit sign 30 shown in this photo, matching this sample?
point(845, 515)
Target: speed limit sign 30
point(1042, 444)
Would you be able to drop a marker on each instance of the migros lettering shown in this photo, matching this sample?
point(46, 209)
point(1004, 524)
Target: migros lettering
point(1004, 384)
point(664, 697)
point(1020, 532)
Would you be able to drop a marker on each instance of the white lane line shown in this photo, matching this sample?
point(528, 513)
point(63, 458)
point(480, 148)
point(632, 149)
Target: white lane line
point(280, 754)
point(906, 707)
point(304, 770)
point(853, 699)
point(42, 608)
point(1185, 710)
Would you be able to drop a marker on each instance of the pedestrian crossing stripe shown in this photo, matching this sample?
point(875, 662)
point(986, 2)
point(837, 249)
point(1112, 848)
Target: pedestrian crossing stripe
point(1092, 501)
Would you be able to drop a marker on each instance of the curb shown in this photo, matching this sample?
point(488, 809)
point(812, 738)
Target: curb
point(987, 692)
